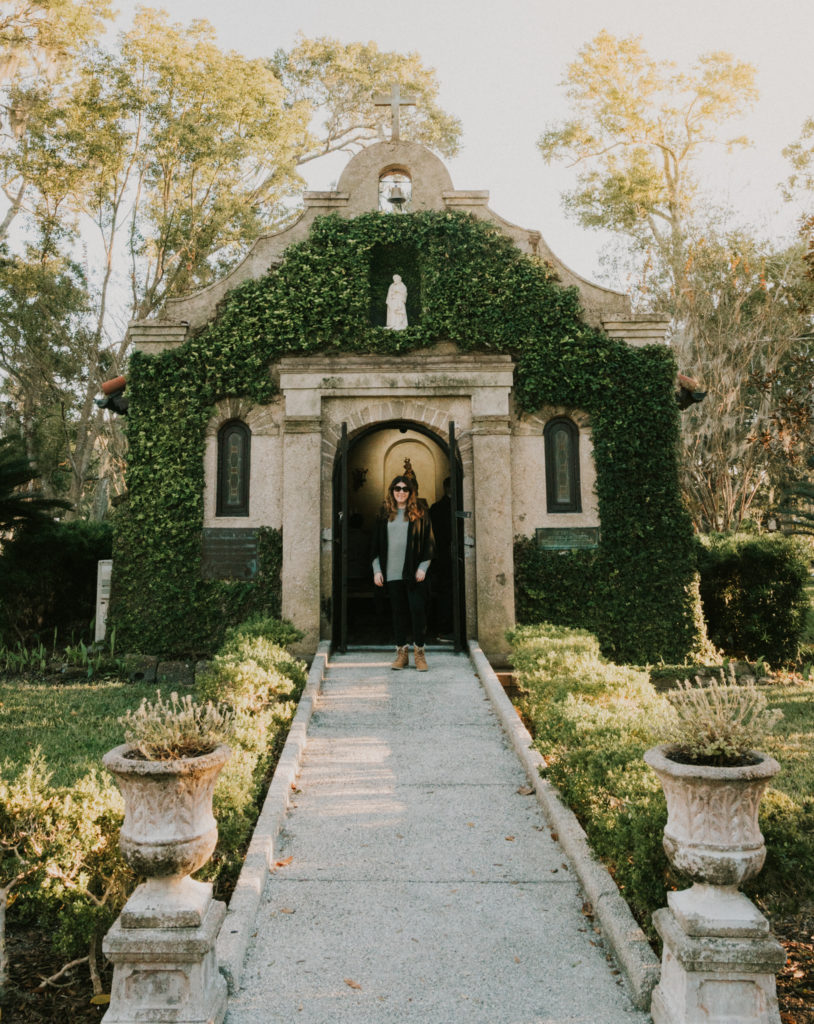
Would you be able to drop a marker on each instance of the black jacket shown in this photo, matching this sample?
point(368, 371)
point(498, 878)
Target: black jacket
point(420, 544)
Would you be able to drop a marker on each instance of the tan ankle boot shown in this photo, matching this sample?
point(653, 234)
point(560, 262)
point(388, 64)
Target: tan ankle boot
point(420, 659)
point(401, 660)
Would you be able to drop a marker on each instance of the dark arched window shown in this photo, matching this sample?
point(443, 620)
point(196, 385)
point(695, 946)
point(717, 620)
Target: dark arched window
point(234, 443)
point(562, 466)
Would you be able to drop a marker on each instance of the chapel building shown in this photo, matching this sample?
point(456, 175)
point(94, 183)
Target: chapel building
point(312, 461)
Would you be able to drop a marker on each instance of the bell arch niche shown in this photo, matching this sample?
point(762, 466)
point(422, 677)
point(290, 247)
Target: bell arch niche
point(375, 455)
point(395, 190)
point(385, 262)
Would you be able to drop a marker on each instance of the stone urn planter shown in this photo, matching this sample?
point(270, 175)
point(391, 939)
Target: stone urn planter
point(169, 830)
point(163, 944)
point(712, 831)
point(719, 959)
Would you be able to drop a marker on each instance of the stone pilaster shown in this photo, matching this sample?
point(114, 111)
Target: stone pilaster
point(494, 553)
point(302, 480)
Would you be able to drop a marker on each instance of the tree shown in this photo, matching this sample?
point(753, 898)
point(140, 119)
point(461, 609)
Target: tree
point(338, 83)
point(19, 500)
point(39, 39)
point(637, 129)
point(744, 305)
point(173, 156)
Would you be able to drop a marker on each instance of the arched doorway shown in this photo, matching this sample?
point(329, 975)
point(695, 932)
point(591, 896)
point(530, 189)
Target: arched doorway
point(363, 468)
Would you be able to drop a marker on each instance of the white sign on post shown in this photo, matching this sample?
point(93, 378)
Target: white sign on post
point(104, 573)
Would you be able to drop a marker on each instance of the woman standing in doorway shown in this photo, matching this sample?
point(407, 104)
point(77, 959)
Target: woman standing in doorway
point(403, 547)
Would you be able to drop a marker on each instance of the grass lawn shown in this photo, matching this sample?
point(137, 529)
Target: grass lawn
point(792, 742)
point(73, 723)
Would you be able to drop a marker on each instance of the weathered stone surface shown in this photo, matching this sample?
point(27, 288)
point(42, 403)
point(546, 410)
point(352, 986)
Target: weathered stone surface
point(715, 980)
point(717, 910)
point(166, 975)
point(168, 828)
point(712, 831)
point(175, 673)
point(432, 189)
point(141, 668)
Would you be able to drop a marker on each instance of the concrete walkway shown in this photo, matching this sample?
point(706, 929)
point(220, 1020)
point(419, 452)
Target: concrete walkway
point(422, 883)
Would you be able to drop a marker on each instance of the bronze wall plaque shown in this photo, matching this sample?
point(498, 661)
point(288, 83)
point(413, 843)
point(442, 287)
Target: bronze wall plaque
point(566, 538)
point(228, 554)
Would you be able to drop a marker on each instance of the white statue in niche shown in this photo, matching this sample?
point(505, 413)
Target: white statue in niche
point(397, 304)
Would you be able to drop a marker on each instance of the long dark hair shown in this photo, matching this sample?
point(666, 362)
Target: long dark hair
point(413, 510)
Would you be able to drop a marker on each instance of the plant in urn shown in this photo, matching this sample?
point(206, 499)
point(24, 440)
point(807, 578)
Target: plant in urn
point(714, 776)
point(167, 772)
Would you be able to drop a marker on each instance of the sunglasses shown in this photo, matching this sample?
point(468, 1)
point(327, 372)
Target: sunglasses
point(399, 487)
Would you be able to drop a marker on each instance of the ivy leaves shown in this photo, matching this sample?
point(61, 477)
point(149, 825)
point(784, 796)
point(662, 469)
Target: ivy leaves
point(477, 290)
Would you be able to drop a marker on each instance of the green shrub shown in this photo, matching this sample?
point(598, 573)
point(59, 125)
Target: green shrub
point(592, 722)
point(59, 843)
point(262, 682)
point(787, 877)
point(753, 594)
point(48, 579)
point(252, 668)
point(276, 631)
point(59, 853)
point(554, 586)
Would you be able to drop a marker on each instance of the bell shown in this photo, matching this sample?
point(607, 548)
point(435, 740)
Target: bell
point(397, 197)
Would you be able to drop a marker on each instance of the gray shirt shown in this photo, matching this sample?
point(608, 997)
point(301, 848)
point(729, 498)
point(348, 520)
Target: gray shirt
point(397, 548)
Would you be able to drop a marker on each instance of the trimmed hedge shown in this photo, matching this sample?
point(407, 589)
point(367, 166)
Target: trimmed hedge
point(48, 579)
point(753, 592)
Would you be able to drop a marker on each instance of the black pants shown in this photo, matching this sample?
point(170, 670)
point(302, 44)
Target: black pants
point(408, 608)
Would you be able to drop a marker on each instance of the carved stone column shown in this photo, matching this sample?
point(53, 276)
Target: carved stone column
point(494, 552)
point(302, 465)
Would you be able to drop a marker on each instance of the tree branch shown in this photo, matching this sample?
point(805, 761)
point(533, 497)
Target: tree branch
point(55, 977)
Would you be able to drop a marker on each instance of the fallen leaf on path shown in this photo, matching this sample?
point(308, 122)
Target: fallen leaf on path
point(283, 863)
point(286, 910)
point(353, 984)
point(509, 839)
point(525, 791)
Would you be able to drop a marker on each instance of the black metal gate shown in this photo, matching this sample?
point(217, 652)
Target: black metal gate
point(339, 609)
point(456, 540)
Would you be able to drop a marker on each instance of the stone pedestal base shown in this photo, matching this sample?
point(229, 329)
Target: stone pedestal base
point(166, 975)
point(709, 979)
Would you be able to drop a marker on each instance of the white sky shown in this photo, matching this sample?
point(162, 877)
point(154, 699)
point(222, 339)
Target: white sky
point(499, 63)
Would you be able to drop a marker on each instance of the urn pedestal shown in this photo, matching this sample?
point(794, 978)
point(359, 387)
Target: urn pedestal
point(163, 944)
point(720, 960)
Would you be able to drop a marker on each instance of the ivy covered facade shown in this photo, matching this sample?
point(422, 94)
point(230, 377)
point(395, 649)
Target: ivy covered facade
point(270, 406)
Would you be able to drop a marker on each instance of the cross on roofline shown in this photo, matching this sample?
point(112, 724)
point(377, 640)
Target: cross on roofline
point(394, 101)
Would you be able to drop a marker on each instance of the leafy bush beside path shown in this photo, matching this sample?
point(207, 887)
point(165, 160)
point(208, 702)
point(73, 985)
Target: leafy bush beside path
point(60, 817)
point(593, 720)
